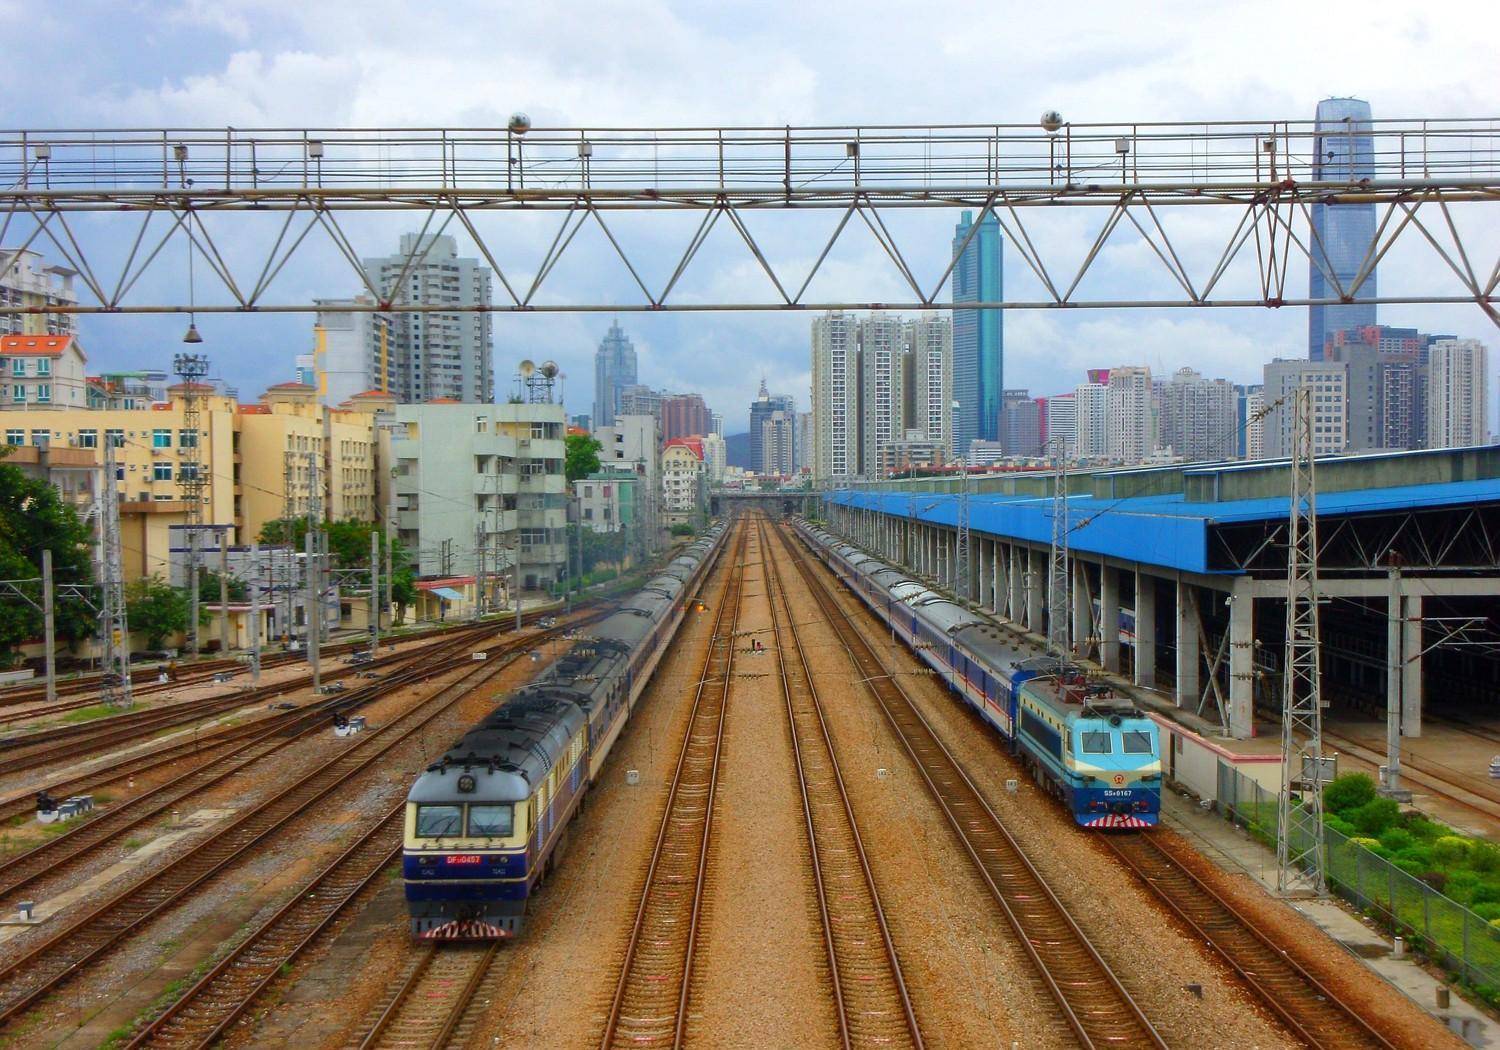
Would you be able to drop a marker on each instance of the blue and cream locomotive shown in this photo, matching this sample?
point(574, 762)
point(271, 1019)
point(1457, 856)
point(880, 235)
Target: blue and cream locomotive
point(484, 823)
point(1093, 749)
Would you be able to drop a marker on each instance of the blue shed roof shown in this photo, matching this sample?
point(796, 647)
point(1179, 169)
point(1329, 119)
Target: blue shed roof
point(1161, 530)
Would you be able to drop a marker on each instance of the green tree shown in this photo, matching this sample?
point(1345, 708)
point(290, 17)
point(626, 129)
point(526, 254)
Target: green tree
point(34, 518)
point(208, 588)
point(156, 609)
point(283, 532)
point(582, 456)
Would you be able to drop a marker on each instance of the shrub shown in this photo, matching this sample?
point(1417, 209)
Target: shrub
point(1461, 885)
point(1450, 849)
point(1375, 816)
point(1369, 844)
point(1489, 911)
point(1348, 791)
point(1397, 839)
point(1339, 824)
point(1486, 893)
point(1410, 866)
point(1425, 830)
point(1438, 880)
point(1484, 857)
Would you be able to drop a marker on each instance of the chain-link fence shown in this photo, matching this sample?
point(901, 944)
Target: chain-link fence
point(1450, 934)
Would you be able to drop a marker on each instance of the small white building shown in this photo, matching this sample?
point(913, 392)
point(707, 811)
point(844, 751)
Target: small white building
point(683, 479)
point(43, 371)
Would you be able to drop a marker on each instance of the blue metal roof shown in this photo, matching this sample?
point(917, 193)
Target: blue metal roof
point(1162, 530)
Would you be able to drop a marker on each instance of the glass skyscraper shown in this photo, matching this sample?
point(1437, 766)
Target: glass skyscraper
point(614, 370)
point(978, 335)
point(1342, 233)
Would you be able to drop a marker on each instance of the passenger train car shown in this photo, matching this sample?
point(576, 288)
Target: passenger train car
point(484, 822)
point(1093, 749)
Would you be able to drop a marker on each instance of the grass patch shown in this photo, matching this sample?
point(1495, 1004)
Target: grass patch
point(134, 844)
point(88, 714)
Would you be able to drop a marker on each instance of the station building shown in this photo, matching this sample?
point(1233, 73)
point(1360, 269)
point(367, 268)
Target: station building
point(1179, 576)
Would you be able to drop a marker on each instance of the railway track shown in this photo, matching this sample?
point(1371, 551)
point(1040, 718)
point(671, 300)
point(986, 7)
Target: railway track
point(48, 858)
point(1096, 1006)
point(1474, 794)
point(1313, 1013)
point(81, 941)
point(869, 992)
point(429, 1006)
point(649, 1008)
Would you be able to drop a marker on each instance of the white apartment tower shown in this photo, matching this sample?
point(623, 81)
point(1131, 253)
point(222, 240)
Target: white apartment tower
point(1198, 417)
point(929, 379)
point(1329, 381)
point(28, 281)
point(1062, 425)
point(1255, 427)
point(1457, 384)
point(1091, 416)
point(882, 344)
point(1131, 434)
point(835, 396)
point(352, 351)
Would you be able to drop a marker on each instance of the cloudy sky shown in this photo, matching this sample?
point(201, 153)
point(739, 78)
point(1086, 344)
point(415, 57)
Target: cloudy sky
point(248, 63)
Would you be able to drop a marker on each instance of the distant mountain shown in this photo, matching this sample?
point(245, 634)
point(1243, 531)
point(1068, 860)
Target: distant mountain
point(737, 450)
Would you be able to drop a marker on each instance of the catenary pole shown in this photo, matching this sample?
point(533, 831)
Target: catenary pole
point(375, 609)
point(223, 592)
point(254, 575)
point(49, 631)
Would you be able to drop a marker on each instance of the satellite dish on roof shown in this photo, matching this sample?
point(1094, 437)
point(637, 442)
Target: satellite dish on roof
point(527, 367)
point(549, 369)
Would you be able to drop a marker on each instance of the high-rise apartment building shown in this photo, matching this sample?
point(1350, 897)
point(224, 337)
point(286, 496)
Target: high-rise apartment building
point(1329, 382)
point(1020, 425)
point(761, 409)
point(1457, 393)
point(1387, 384)
point(1198, 417)
point(684, 415)
point(29, 282)
point(882, 345)
point(1091, 412)
point(614, 370)
point(1343, 151)
point(1060, 414)
point(1250, 428)
point(437, 354)
point(352, 352)
point(778, 438)
point(978, 335)
point(637, 399)
point(1131, 434)
point(805, 441)
point(928, 379)
point(715, 457)
point(835, 396)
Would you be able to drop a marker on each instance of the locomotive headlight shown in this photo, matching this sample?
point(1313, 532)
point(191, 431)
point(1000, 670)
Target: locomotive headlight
point(466, 783)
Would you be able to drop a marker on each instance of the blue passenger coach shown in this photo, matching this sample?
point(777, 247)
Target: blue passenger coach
point(1091, 748)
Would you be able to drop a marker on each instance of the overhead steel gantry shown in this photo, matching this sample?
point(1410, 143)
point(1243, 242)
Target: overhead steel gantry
point(1145, 180)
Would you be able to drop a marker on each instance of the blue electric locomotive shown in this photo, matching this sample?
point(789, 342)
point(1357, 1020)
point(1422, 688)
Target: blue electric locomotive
point(486, 821)
point(1093, 749)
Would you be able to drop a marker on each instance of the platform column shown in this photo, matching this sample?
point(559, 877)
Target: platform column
point(1241, 660)
point(1017, 607)
point(1001, 580)
point(1109, 618)
point(1189, 658)
point(1036, 588)
point(1145, 629)
point(1082, 609)
point(1409, 621)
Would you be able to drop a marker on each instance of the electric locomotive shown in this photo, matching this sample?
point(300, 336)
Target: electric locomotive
point(486, 822)
point(1091, 748)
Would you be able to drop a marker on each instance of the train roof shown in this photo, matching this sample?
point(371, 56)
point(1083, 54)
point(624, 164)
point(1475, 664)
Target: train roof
point(506, 754)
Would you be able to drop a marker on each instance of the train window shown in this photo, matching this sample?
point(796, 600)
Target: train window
point(1137, 741)
point(490, 821)
point(433, 821)
point(1095, 743)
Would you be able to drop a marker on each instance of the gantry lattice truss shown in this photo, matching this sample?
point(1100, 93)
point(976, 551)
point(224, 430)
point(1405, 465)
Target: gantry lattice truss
point(1145, 180)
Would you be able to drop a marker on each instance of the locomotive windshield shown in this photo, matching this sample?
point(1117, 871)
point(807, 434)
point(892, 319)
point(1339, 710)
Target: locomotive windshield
point(1096, 743)
point(433, 821)
point(1137, 742)
point(490, 821)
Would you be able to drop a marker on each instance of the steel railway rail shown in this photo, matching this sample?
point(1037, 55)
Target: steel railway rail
point(26, 980)
point(870, 996)
point(649, 1007)
point(428, 1007)
point(1313, 1013)
point(51, 856)
point(1097, 1007)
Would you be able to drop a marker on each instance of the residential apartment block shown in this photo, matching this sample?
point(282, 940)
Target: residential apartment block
point(1329, 382)
point(683, 481)
point(1130, 404)
point(42, 372)
point(1197, 417)
point(1458, 393)
point(31, 283)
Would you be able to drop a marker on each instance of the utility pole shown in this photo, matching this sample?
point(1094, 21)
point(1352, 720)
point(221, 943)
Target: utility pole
point(1300, 852)
point(961, 555)
point(49, 632)
point(1059, 605)
point(192, 579)
point(375, 609)
point(314, 606)
point(114, 631)
point(479, 571)
point(254, 575)
point(191, 368)
point(390, 577)
point(1390, 785)
point(223, 592)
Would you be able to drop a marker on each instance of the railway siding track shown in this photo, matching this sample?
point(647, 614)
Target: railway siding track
point(71, 949)
point(870, 995)
point(649, 1008)
point(1311, 1011)
point(427, 1009)
point(1097, 1007)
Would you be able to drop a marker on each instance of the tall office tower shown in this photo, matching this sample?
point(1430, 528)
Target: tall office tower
point(805, 441)
point(715, 457)
point(1329, 382)
point(978, 335)
point(1061, 417)
point(1252, 432)
point(437, 354)
point(1343, 151)
point(614, 370)
point(927, 380)
point(352, 352)
point(1457, 393)
point(1020, 424)
point(777, 438)
point(637, 399)
point(1198, 418)
point(29, 281)
point(761, 408)
point(1131, 435)
point(1091, 412)
point(835, 396)
point(881, 399)
point(716, 422)
point(685, 415)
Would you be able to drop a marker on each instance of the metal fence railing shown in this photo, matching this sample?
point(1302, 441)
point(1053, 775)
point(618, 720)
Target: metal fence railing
point(1448, 932)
